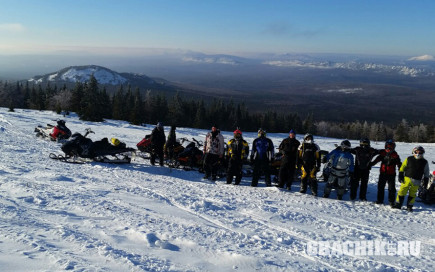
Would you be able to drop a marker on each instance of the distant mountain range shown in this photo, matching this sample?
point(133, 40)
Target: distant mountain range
point(333, 87)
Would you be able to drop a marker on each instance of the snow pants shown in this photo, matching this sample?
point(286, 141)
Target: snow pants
point(211, 164)
point(337, 181)
point(157, 152)
point(261, 166)
point(286, 174)
point(234, 169)
point(383, 180)
point(406, 186)
point(363, 177)
point(309, 174)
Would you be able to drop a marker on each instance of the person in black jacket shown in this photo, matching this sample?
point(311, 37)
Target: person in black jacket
point(363, 157)
point(170, 144)
point(158, 140)
point(238, 150)
point(289, 150)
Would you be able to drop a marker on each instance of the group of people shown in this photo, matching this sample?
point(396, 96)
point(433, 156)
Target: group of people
point(343, 166)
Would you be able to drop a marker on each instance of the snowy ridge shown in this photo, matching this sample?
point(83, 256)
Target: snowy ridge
point(211, 60)
point(138, 217)
point(355, 66)
point(82, 74)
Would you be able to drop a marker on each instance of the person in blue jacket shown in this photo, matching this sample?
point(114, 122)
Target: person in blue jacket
point(341, 164)
point(261, 157)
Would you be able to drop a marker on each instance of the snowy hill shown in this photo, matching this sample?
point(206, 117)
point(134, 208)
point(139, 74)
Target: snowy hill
point(82, 74)
point(137, 217)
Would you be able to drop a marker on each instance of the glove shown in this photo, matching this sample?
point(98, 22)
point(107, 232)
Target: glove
point(425, 182)
point(401, 177)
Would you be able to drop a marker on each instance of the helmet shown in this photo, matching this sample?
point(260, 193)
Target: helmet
point(237, 131)
point(418, 152)
point(308, 137)
point(345, 145)
point(390, 144)
point(115, 141)
point(261, 132)
point(159, 124)
point(364, 142)
point(61, 122)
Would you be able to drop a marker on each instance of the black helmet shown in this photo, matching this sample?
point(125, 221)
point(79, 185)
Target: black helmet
point(345, 145)
point(61, 122)
point(390, 144)
point(364, 142)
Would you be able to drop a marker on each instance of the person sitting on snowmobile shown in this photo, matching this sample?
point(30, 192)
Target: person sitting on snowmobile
point(341, 164)
point(427, 190)
point(60, 131)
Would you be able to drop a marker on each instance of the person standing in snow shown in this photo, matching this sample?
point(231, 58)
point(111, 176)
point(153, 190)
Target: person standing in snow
point(213, 152)
point(170, 144)
point(238, 150)
point(387, 174)
point(414, 169)
point(289, 150)
point(261, 157)
point(341, 164)
point(309, 162)
point(158, 140)
point(363, 157)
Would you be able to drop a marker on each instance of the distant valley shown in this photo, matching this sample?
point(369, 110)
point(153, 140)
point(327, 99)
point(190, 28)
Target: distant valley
point(334, 88)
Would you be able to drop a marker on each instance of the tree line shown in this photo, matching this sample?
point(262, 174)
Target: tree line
point(92, 102)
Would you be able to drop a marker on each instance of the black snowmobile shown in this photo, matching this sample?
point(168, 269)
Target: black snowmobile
point(188, 157)
point(59, 132)
point(80, 149)
point(426, 192)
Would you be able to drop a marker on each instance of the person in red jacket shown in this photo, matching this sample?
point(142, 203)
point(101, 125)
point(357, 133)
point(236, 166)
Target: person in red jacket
point(389, 161)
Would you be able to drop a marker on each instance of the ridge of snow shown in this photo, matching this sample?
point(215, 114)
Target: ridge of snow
point(355, 66)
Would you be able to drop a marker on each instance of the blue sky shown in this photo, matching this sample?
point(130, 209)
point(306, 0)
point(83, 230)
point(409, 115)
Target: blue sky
point(381, 27)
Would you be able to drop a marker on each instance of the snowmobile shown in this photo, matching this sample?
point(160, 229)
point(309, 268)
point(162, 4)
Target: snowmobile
point(189, 157)
point(427, 193)
point(144, 147)
point(59, 133)
point(80, 149)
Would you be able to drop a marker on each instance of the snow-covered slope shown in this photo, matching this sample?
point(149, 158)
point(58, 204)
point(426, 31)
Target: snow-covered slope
point(137, 217)
point(82, 74)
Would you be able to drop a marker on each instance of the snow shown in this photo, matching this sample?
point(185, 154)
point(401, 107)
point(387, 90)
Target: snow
point(137, 217)
point(355, 66)
point(423, 58)
point(102, 75)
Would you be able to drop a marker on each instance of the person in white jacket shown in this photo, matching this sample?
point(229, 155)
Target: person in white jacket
point(213, 152)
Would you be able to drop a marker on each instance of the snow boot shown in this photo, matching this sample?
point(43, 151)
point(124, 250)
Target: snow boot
point(409, 208)
point(398, 205)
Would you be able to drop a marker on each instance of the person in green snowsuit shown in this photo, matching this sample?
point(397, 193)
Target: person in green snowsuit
point(413, 170)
